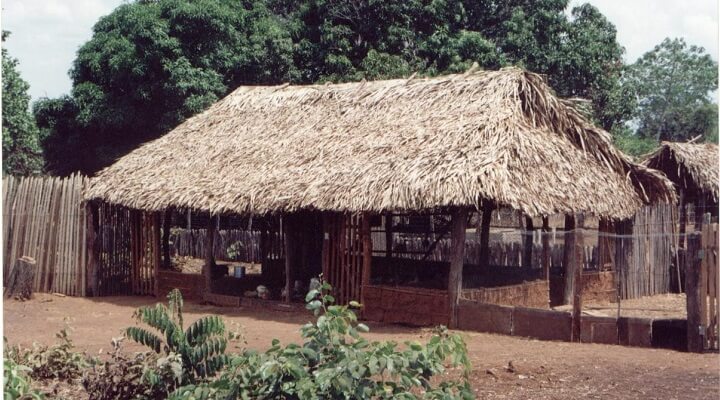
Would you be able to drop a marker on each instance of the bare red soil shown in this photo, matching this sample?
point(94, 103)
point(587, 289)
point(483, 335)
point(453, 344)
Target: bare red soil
point(540, 370)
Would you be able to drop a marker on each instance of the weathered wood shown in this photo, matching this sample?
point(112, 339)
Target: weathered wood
point(692, 290)
point(290, 254)
point(157, 218)
point(527, 243)
point(91, 247)
point(484, 254)
point(366, 255)
point(578, 242)
point(22, 279)
point(209, 254)
point(545, 239)
point(166, 261)
point(459, 224)
point(568, 258)
point(388, 234)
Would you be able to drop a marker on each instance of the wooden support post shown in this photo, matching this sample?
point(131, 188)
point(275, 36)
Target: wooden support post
point(577, 268)
point(366, 254)
point(527, 243)
point(568, 256)
point(157, 258)
point(209, 253)
point(167, 216)
point(91, 247)
point(388, 234)
point(693, 261)
point(546, 253)
point(289, 227)
point(455, 277)
point(484, 255)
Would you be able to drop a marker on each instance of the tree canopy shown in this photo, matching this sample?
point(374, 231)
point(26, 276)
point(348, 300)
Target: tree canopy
point(151, 64)
point(673, 84)
point(20, 141)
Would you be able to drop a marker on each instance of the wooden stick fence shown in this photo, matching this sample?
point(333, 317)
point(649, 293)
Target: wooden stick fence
point(43, 218)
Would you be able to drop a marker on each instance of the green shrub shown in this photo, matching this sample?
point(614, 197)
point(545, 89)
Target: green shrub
point(16, 382)
point(201, 347)
point(335, 362)
point(59, 361)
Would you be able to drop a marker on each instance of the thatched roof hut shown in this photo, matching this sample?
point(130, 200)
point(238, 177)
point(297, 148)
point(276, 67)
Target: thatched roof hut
point(406, 144)
point(693, 168)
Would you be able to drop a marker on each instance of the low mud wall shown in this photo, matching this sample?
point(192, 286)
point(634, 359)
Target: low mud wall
point(533, 294)
point(191, 286)
point(404, 305)
point(557, 325)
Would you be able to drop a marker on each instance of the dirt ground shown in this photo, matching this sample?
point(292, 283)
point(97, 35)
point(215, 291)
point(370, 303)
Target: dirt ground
point(670, 305)
point(541, 370)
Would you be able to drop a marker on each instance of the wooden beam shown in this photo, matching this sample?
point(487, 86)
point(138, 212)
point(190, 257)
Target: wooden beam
point(484, 255)
point(546, 253)
point(527, 243)
point(209, 253)
point(388, 235)
point(167, 215)
point(289, 227)
point(157, 259)
point(693, 261)
point(366, 254)
point(459, 224)
point(91, 246)
point(577, 268)
point(568, 255)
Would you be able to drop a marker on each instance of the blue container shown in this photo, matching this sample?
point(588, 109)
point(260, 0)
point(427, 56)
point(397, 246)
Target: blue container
point(239, 272)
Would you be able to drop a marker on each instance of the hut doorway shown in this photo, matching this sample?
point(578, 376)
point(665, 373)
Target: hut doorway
point(346, 254)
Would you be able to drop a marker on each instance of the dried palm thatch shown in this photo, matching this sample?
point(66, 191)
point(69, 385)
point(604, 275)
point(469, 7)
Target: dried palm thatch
point(386, 145)
point(691, 166)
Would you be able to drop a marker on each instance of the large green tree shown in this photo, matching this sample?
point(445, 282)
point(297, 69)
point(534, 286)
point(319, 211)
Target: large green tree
point(673, 84)
point(151, 64)
point(20, 141)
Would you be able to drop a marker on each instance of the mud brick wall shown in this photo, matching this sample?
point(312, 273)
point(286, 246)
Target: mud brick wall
point(528, 294)
point(191, 286)
point(597, 287)
point(418, 307)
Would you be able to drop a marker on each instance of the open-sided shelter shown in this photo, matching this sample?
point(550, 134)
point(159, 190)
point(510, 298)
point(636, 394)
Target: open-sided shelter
point(338, 155)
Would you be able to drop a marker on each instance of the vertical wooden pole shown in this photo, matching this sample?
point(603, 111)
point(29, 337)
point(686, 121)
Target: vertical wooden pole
point(527, 243)
point(209, 253)
point(388, 234)
point(91, 215)
point(455, 278)
point(577, 268)
point(157, 218)
point(367, 255)
point(693, 261)
point(484, 255)
point(289, 227)
point(568, 256)
point(546, 253)
point(167, 215)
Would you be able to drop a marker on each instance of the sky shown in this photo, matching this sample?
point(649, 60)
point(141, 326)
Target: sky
point(46, 34)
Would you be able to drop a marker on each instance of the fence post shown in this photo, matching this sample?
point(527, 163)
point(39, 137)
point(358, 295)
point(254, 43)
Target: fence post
point(693, 262)
point(459, 223)
point(91, 216)
point(577, 270)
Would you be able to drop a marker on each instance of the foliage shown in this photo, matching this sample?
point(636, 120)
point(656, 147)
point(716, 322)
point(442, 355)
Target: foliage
point(20, 135)
point(673, 83)
point(200, 348)
point(633, 144)
point(151, 64)
point(59, 361)
point(16, 382)
point(144, 375)
point(335, 361)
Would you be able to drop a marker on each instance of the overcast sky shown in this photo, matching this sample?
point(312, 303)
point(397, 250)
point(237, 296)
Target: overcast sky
point(47, 33)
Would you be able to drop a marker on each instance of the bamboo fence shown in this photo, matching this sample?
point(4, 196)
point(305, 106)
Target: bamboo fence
point(43, 218)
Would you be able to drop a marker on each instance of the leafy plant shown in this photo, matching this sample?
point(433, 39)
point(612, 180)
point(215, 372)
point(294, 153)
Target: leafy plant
point(59, 361)
point(17, 382)
point(142, 376)
point(201, 347)
point(335, 361)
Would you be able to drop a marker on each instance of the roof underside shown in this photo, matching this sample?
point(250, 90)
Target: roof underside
point(385, 145)
point(690, 166)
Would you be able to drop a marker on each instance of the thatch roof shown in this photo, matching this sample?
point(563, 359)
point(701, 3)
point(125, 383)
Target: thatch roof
point(386, 145)
point(690, 166)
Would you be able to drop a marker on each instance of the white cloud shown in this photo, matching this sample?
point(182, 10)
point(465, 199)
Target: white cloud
point(643, 24)
point(46, 34)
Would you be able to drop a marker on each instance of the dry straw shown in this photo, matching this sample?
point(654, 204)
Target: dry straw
point(689, 165)
point(386, 145)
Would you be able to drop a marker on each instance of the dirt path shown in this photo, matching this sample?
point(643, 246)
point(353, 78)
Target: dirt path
point(542, 370)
